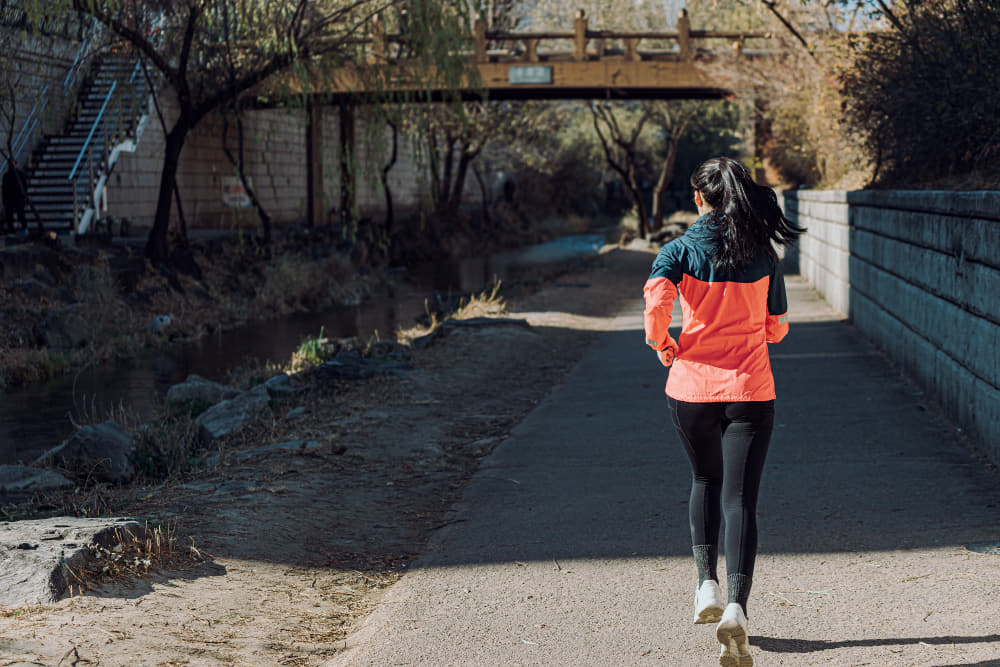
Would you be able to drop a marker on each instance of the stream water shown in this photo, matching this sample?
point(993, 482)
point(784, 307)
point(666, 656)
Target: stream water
point(38, 417)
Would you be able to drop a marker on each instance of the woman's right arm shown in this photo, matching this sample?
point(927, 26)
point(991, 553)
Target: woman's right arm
point(659, 294)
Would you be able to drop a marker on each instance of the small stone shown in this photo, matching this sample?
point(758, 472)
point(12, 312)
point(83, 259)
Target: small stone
point(233, 414)
point(160, 323)
point(280, 386)
point(196, 389)
point(351, 365)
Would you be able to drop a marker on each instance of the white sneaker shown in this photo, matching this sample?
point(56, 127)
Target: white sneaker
point(732, 634)
point(708, 602)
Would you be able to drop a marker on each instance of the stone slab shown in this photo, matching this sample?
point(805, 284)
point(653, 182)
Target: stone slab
point(35, 555)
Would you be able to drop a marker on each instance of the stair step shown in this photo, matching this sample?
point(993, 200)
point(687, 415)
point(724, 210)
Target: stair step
point(52, 193)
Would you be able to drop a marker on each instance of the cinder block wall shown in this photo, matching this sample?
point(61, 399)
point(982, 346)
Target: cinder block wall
point(918, 272)
point(37, 62)
point(275, 152)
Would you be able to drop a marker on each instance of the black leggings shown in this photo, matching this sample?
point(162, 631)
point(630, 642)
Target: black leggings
point(727, 444)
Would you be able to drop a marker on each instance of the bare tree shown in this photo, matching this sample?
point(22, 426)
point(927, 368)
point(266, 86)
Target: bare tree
point(184, 42)
point(622, 151)
point(13, 80)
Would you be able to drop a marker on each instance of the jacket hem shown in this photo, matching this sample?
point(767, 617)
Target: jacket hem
point(715, 398)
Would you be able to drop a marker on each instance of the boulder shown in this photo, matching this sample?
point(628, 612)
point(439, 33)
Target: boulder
point(100, 451)
point(351, 365)
point(196, 389)
point(280, 386)
point(66, 328)
point(233, 414)
point(36, 555)
point(18, 480)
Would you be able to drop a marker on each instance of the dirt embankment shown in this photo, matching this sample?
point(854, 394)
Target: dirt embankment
point(300, 545)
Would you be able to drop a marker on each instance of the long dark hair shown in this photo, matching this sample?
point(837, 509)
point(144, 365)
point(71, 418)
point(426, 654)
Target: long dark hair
point(746, 217)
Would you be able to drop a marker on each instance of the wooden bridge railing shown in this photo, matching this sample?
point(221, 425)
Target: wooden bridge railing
point(581, 39)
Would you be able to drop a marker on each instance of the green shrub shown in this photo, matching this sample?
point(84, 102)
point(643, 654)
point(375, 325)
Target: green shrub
point(925, 91)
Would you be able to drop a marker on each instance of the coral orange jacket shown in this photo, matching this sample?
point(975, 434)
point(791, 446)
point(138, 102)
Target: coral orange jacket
point(729, 318)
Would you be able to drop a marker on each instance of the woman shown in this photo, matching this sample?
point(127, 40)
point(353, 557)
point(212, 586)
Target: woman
point(720, 389)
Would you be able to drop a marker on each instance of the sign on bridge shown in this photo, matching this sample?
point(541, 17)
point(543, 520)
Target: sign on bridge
point(529, 75)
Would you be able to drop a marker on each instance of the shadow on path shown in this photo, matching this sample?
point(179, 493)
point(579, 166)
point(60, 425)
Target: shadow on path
point(779, 645)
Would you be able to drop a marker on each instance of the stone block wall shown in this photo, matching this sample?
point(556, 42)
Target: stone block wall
point(275, 150)
point(918, 272)
point(32, 63)
point(823, 251)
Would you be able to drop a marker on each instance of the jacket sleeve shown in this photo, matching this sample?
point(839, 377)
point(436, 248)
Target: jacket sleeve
point(776, 324)
point(659, 294)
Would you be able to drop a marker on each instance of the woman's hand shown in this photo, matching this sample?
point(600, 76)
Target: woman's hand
point(667, 356)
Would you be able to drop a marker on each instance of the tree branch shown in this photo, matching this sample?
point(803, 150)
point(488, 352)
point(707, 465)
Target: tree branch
point(772, 6)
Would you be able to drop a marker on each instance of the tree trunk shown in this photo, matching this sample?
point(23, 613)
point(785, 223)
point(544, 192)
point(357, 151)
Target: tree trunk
point(389, 215)
point(666, 175)
point(238, 161)
point(632, 184)
point(444, 195)
point(459, 185)
point(157, 248)
point(628, 171)
point(484, 201)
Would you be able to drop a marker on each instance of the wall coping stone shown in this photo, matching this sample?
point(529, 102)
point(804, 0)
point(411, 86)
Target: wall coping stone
point(982, 204)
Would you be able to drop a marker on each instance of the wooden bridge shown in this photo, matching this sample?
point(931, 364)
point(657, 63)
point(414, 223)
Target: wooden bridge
point(592, 64)
point(542, 65)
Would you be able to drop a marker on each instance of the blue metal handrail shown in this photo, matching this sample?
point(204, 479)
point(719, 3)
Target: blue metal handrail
point(93, 128)
point(30, 123)
point(71, 74)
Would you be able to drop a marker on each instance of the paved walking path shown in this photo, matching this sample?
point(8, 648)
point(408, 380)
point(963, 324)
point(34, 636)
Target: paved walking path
point(571, 544)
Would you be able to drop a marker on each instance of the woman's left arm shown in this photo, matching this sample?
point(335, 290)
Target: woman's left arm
point(776, 324)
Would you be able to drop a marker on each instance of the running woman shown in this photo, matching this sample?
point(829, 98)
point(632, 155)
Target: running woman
point(720, 389)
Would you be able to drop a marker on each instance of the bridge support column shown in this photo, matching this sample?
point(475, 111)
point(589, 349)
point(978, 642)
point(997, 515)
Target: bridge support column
point(315, 205)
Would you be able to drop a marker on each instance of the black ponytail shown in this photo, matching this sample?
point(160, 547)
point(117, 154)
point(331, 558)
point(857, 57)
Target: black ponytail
point(745, 218)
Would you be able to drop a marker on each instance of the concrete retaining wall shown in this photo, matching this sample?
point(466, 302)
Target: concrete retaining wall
point(918, 273)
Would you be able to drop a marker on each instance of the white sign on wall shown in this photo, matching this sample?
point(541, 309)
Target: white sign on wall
point(234, 195)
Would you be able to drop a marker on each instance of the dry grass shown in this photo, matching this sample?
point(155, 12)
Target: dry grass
point(235, 285)
point(488, 303)
point(131, 555)
point(291, 284)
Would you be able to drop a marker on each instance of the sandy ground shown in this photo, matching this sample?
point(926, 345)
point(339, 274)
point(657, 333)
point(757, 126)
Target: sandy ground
point(299, 547)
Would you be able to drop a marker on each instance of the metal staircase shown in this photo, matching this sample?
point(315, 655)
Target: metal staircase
point(68, 180)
